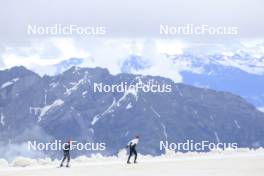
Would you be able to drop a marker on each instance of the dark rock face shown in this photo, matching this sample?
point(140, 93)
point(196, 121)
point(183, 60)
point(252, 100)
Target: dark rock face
point(63, 106)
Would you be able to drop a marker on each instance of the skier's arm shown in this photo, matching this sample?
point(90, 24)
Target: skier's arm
point(128, 144)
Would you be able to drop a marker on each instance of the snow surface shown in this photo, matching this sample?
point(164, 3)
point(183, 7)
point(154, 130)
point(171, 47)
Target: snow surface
point(261, 109)
point(53, 84)
point(46, 108)
point(237, 125)
point(155, 112)
point(107, 111)
point(162, 124)
point(129, 106)
point(217, 137)
point(9, 83)
point(242, 162)
point(84, 93)
point(178, 90)
point(116, 104)
point(2, 119)
point(126, 93)
point(164, 131)
point(76, 85)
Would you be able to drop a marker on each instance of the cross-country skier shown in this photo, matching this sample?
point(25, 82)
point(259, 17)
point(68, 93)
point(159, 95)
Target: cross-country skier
point(66, 153)
point(132, 149)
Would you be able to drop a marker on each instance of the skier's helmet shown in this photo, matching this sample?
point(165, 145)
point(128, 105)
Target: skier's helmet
point(69, 141)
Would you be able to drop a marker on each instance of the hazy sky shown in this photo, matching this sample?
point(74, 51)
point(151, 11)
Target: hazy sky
point(137, 18)
point(129, 26)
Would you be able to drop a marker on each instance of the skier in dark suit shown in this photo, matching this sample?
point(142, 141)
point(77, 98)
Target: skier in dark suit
point(66, 153)
point(132, 149)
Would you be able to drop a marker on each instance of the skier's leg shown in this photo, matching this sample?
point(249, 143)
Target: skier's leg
point(68, 159)
point(64, 158)
point(130, 154)
point(135, 153)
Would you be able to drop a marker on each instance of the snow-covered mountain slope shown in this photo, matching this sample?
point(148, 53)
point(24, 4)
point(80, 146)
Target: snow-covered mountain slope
point(241, 72)
point(63, 106)
point(66, 64)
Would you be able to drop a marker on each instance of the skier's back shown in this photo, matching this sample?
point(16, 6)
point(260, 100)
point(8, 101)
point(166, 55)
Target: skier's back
point(132, 149)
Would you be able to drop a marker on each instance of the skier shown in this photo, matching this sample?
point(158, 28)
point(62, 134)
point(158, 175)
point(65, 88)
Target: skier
point(132, 149)
point(66, 153)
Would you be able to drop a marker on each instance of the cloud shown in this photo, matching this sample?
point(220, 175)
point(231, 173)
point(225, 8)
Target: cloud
point(132, 19)
point(112, 53)
point(170, 47)
point(42, 56)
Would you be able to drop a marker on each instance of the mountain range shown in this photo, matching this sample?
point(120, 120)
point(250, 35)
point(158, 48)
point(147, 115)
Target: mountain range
point(239, 73)
point(62, 106)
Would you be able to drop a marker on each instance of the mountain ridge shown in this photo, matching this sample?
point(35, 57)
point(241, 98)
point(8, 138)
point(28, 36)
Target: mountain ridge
point(63, 106)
